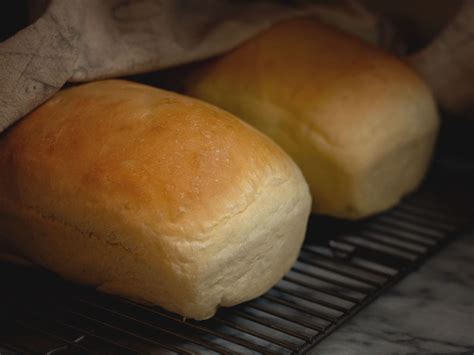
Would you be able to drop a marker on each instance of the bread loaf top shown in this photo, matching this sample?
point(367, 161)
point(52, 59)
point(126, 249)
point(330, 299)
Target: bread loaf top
point(356, 100)
point(176, 163)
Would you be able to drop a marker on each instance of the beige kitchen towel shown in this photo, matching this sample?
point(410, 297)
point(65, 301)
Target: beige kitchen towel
point(83, 40)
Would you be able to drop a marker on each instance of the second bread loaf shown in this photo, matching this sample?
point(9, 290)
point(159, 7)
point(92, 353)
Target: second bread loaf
point(359, 122)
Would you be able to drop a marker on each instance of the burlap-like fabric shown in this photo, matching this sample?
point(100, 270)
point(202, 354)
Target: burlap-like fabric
point(82, 40)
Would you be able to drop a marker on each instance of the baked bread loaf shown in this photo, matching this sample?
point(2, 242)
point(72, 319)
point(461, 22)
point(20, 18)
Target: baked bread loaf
point(360, 123)
point(150, 195)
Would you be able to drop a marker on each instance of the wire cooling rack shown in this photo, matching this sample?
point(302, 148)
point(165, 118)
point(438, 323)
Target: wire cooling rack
point(342, 268)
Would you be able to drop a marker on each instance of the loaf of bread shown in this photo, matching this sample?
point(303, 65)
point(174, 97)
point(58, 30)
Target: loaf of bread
point(360, 123)
point(150, 195)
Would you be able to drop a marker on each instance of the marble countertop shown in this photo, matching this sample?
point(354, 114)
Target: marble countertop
point(429, 312)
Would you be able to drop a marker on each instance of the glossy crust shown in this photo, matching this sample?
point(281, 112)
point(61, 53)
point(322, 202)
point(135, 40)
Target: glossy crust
point(150, 195)
point(360, 123)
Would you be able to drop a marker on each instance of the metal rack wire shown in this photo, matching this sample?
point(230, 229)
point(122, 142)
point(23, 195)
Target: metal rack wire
point(342, 267)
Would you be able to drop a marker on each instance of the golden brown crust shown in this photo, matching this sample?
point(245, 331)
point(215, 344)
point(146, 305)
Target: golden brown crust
point(166, 188)
point(153, 152)
point(337, 105)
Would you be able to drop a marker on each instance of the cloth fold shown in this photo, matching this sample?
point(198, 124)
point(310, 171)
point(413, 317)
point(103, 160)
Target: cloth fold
point(83, 40)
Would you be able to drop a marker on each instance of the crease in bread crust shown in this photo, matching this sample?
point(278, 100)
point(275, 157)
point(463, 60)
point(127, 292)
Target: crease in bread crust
point(54, 219)
point(229, 216)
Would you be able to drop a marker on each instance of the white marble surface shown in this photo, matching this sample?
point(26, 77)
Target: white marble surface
point(429, 312)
